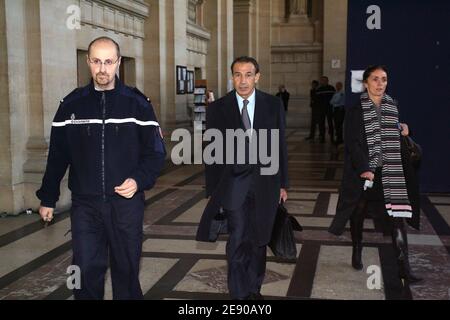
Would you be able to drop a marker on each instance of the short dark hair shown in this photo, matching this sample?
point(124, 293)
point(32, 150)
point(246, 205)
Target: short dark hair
point(245, 59)
point(104, 38)
point(371, 69)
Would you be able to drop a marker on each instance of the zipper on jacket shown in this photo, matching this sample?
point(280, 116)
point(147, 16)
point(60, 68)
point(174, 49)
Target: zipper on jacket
point(103, 144)
point(117, 131)
point(89, 131)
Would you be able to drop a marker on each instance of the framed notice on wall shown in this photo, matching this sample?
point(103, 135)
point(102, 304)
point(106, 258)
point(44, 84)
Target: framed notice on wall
point(190, 82)
point(181, 80)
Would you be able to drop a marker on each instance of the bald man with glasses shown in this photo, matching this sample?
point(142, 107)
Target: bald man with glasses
point(107, 135)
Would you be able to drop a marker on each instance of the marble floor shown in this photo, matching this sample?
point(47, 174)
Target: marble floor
point(34, 259)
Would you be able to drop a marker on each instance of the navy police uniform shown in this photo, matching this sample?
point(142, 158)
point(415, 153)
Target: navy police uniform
point(104, 137)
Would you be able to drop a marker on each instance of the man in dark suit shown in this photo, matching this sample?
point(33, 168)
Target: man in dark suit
point(284, 95)
point(324, 94)
point(246, 193)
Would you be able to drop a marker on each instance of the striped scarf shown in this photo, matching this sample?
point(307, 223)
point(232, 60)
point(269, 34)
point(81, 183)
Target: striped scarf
point(386, 140)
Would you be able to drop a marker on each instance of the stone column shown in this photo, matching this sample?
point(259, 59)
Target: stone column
point(263, 43)
point(33, 83)
point(59, 77)
point(18, 102)
point(317, 10)
point(167, 63)
point(243, 22)
point(228, 45)
point(278, 10)
point(335, 39)
point(297, 7)
point(172, 52)
point(212, 20)
point(218, 18)
point(179, 56)
point(153, 27)
point(36, 146)
point(317, 20)
point(6, 192)
point(297, 11)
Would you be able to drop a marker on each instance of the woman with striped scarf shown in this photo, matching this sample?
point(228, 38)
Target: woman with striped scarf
point(372, 155)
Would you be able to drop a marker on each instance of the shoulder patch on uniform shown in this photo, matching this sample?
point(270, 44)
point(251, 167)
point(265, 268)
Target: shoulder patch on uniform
point(138, 92)
point(71, 96)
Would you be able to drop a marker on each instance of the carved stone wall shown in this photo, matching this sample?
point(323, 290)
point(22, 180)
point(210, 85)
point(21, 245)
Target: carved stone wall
point(126, 17)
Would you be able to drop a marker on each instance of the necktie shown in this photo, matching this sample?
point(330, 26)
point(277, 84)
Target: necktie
point(245, 117)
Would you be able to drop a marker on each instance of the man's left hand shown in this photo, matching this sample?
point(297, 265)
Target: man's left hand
point(405, 129)
point(127, 189)
point(283, 195)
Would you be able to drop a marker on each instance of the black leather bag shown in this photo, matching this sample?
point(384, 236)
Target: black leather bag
point(219, 225)
point(282, 242)
point(412, 150)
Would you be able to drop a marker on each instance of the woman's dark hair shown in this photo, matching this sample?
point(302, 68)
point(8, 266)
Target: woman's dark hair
point(371, 69)
point(245, 59)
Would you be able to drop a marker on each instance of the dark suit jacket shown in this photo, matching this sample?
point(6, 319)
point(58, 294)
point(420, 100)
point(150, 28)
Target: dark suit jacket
point(228, 184)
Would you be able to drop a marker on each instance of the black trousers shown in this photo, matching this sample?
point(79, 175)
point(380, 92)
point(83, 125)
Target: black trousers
point(316, 120)
point(327, 113)
point(246, 260)
point(339, 115)
point(102, 230)
point(374, 196)
point(330, 121)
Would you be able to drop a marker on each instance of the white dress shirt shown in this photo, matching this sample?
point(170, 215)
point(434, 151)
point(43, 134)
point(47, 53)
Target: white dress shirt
point(250, 106)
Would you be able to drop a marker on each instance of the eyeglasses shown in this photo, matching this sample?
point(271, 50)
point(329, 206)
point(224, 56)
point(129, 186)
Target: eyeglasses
point(98, 62)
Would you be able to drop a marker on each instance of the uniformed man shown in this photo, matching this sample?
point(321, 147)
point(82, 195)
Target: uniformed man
point(324, 93)
point(107, 134)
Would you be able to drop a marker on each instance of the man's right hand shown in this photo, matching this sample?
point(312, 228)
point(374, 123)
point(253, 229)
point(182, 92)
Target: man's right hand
point(368, 175)
point(46, 213)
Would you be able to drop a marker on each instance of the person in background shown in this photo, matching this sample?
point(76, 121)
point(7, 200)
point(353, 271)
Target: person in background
point(284, 95)
point(324, 94)
point(338, 104)
point(315, 111)
point(209, 97)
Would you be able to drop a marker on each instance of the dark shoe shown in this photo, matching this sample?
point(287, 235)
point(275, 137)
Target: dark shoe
point(256, 296)
point(322, 140)
point(356, 230)
point(405, 273)
point(309, 138)
point(400, 243)
point(356, 257)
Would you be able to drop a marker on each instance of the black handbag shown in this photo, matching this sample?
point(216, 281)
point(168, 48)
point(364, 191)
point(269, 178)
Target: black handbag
point(413, 150)
point(282, 242)
point(219, 225)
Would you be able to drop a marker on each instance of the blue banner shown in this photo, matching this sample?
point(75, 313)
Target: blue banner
point(411, 38)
